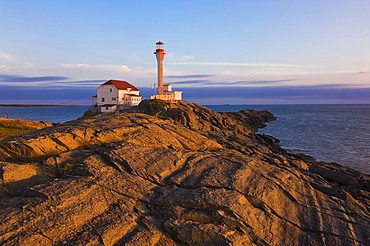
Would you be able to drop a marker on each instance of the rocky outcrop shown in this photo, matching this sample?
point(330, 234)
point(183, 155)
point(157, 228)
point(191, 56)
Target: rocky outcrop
point(199, 118)
point(10, 127)
point(184, 175)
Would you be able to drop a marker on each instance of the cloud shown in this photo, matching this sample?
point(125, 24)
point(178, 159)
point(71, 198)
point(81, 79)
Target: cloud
point(259, 82)
point(91, 81)
point(46, 94)
point(186, 58)
point(135, 57)
point(3, 67)
point(6, 56)
point(98, 68)
point(286, 93)
point(11, 78)
point(352, 72)
point(237, 64)
point(325, 93)
point(200, 82)
point(28, 65)
point(337, 93)
point(243, 82)
point(79, 83)
point(84, 81)
point(174, 57)
point(189, 76)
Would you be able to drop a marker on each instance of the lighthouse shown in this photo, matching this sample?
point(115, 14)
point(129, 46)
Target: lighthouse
point(159, 53)
point(164, 91)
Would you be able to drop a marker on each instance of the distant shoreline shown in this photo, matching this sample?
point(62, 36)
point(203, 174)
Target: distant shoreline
point(37, 105)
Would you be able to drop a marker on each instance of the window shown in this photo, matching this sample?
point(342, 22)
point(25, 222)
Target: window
point(114, 98)
point(110, 90)
point(102, 99)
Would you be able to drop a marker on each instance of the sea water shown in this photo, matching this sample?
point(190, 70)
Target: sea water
point(330, 133)
point(52, 114)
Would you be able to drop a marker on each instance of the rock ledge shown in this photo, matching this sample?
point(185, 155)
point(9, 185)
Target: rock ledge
point(179, 175)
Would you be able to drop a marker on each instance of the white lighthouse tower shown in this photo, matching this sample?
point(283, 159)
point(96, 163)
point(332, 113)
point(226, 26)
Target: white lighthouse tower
point(164, 91)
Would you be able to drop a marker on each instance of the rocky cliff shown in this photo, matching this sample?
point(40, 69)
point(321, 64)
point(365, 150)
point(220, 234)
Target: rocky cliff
point(180, 174)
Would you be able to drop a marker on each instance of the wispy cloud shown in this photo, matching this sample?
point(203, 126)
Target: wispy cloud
point(187, 58)
point(260, 82)
point(6, 56)
point(135, 57)
point(355, 71)
point(189, 76)
point(3, 67)
point(12, 78)
point(328, 93)
point(199, 82)
point(97, 68)
point(91, 81)
point(174, 57)
point(237, 64)
point(45, 94)
point(325, 93)
point(236, 83)
point(94, 83)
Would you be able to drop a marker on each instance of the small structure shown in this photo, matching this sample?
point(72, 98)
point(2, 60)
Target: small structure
point(164, 91)
point(115, 95)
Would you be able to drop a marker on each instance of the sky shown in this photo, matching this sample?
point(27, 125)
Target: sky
point(218, 52)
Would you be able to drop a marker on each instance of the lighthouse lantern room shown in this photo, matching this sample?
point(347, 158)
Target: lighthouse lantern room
point(159, 47)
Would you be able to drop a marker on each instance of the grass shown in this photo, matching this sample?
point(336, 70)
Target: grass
point(10, 127)
point(88, 114)
point(152, 106)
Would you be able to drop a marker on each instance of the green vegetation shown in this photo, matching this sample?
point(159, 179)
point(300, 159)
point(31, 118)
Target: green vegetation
point(152, 106)
point(88, 114)
point(10, 127)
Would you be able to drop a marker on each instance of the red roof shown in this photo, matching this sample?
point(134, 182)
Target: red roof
point(121, 85)
point(159, 42)
point(132, 95)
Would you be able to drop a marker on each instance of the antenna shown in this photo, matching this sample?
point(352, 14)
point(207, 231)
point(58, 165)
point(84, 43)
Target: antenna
point(154, 87)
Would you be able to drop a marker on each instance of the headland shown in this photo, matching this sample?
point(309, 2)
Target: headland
point(176, 174)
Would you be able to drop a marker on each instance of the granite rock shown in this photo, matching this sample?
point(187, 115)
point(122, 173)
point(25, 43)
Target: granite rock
point(183, 175)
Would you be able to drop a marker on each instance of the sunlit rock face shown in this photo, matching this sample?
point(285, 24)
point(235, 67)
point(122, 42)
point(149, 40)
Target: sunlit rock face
point(180, 174)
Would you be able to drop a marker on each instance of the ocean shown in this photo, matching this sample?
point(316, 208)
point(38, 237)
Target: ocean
point(331, 133)
point(52, 114)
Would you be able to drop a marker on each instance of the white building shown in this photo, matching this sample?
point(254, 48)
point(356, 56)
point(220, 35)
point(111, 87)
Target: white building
point(168, 94)
point(116, 95)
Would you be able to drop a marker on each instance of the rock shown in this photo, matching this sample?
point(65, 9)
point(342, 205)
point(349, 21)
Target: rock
point(132, 128)
point(184, 175)
point(333, 175)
